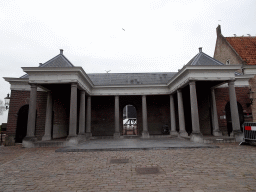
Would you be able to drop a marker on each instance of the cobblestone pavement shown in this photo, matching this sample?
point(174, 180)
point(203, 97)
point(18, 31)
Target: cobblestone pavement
point(228, 168)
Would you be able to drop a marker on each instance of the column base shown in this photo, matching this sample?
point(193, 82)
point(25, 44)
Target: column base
point(28, 142)
point(197, 137)
point(116, 135)
point(81, 138)
point(238, 136)
point(46, 138)
point(145, 135)
point(88, 135)
point(72, 140)
point(174, 133)
point(183, 134)
point(217, 133)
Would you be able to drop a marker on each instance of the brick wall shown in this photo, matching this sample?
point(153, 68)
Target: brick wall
point(253, 89)
point(19, 99)
point(103, 115)
point(158, 108)
point(222, 98)
point(61, 108)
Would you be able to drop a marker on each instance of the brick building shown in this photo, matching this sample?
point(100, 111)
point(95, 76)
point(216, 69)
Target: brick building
point(60, 100)
point(237, 51)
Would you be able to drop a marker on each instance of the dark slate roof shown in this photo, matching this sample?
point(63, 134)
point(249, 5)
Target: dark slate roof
point(58, 61)
point(130, 78)
point(203, 59)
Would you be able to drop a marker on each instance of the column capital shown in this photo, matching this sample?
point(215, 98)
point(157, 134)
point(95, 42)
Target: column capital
point(192, 82)
point(179, 90)
point(73, 84)
point(33, 85)
point(231, 82)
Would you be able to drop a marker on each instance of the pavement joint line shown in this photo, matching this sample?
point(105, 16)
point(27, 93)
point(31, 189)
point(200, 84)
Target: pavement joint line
point(14, 159)
point(17, 158)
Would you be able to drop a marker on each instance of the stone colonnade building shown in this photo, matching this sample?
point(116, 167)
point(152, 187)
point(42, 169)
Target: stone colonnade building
point(60, 100)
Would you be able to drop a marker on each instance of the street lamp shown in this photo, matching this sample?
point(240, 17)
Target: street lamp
point(7, 101)
point(251, 96)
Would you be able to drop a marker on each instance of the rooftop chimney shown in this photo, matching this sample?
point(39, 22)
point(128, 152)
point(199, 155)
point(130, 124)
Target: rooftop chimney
point(61, 51)
point(200, 49)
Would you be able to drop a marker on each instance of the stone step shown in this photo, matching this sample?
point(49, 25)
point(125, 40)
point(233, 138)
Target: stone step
point(220, 140)
point(50, 144)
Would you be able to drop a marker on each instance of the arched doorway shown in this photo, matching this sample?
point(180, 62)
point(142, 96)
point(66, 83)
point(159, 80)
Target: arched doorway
point(130, 120)
point(21, 130)
point(228, 117)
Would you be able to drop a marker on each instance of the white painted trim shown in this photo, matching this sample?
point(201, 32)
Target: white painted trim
point(20, 84)
point(131, 90)
point(60, 75)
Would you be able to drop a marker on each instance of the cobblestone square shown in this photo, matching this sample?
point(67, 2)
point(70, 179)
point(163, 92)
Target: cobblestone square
point(228, 168)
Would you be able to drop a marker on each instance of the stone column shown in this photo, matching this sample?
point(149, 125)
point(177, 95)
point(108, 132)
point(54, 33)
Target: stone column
point(30, 137)
point(172, 114)
point(88, 117)
point(196, 134)
point(145, 133)
point(234, 112)
point(81, 133)
point(215, 123)
point(117, 132)
point(194, 108)
point(32, 112)
point(73, 111)
point(182, 132)
point(48, 120)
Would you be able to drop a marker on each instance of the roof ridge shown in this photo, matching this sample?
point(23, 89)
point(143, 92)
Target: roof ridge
point(59, 55)
point(213, 59)
point(197, 58)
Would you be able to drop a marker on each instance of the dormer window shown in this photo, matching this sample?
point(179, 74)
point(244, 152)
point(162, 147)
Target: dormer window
point(228, 62)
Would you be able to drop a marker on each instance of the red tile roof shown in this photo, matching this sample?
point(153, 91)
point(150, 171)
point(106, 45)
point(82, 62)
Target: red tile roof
point(245, 47)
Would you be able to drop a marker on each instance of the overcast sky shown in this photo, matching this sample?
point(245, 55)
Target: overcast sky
point(121, 36)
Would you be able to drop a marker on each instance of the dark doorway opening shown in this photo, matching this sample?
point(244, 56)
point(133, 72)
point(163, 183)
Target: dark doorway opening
point(21, 130)
point(228, 117)
point(130, 120)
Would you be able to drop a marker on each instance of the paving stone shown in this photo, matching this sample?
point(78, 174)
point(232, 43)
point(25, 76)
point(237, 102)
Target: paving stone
point(228, 168)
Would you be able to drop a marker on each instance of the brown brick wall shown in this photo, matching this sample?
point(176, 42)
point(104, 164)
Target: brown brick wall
point(222, 98)
point(158, 108)
point(61, 107)
point(103, 115)
point(253, 89)
point(19, 99)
